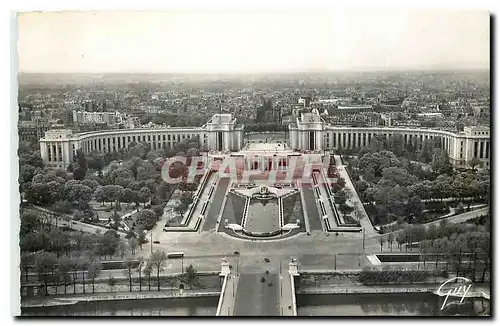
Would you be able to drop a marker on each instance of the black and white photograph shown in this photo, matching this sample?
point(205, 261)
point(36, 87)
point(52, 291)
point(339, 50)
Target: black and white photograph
point(265, 162)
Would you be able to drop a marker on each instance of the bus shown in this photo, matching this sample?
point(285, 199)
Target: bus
point(175, 255)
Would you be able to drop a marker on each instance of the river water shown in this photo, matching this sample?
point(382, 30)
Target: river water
point(206, 306)
point(407, 304)
point(414, 304)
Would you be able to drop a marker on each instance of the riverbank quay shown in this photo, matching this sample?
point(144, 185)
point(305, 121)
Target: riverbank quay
point(477, 290)
point(204, 281)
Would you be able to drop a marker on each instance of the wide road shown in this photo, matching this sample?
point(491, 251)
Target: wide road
point(256, 298)
point(462, 217)
point(215, 205)
point(374, 240)
point(311, 209)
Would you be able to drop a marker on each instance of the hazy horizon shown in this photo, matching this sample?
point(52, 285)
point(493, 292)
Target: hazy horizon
point(272, 42)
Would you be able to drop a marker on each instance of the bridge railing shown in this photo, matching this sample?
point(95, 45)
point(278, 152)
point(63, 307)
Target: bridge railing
point(221, 298)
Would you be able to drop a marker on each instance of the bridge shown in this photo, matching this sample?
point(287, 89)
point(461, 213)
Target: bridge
point(252, 294)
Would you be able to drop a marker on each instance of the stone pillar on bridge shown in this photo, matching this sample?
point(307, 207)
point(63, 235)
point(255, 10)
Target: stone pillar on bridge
point(224, 267)
point(292, 267)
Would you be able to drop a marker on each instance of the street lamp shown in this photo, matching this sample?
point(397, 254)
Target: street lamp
point(151, 242)
point(363, 239)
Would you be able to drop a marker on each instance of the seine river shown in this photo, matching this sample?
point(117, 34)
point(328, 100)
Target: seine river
point(206, 306)
point(408, 304)
point(416, 304)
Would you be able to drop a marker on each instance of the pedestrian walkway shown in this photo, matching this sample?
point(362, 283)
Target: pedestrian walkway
point(287, 295)
point(228, 295)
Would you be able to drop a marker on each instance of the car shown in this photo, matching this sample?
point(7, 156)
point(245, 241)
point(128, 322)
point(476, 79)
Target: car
point(266, 260)
point(156, 242)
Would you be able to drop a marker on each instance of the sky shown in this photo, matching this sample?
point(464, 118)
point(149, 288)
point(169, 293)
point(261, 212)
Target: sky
point(252, 41)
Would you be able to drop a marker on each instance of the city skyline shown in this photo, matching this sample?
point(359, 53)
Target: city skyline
point(252, 42)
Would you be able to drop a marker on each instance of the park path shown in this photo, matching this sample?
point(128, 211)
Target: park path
point(75, 225)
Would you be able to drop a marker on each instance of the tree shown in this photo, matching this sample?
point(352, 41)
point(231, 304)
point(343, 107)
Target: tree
point(415, 207)
point(62, 207)
point(158, 209)
point(25, 264)
point(145, 194)
point(95, 161)
point(84, 265)
point(441, 163)
point(79, 173)
point(361, 186)
point(425, 154)
point(393, 176)
point(390, 239)
point(100, 195)
point(45, 264)
point(400, 239)
point(191, 275)
point(74, 266)
point(139, 270)
point(158, 258)
point(127, 196)
point(92, 184)
point(132, 244)
point(122, 248)
point(29, 223)
point(474, 162)
point(129, 265)
point(381, 241)
point(146, 218)
point(148, 270)
point(340, 197)
point(26, 173)
point(94, 269)
point(111, 282)
point(81, 160)
point(108, 243)
point(455, 249)
point(441, 188)
point(425, 247)
point(485, 250)
point(141, 237)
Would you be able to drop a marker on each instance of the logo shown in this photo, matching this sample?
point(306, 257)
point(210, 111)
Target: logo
point(456, 287)
point(242, 170)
